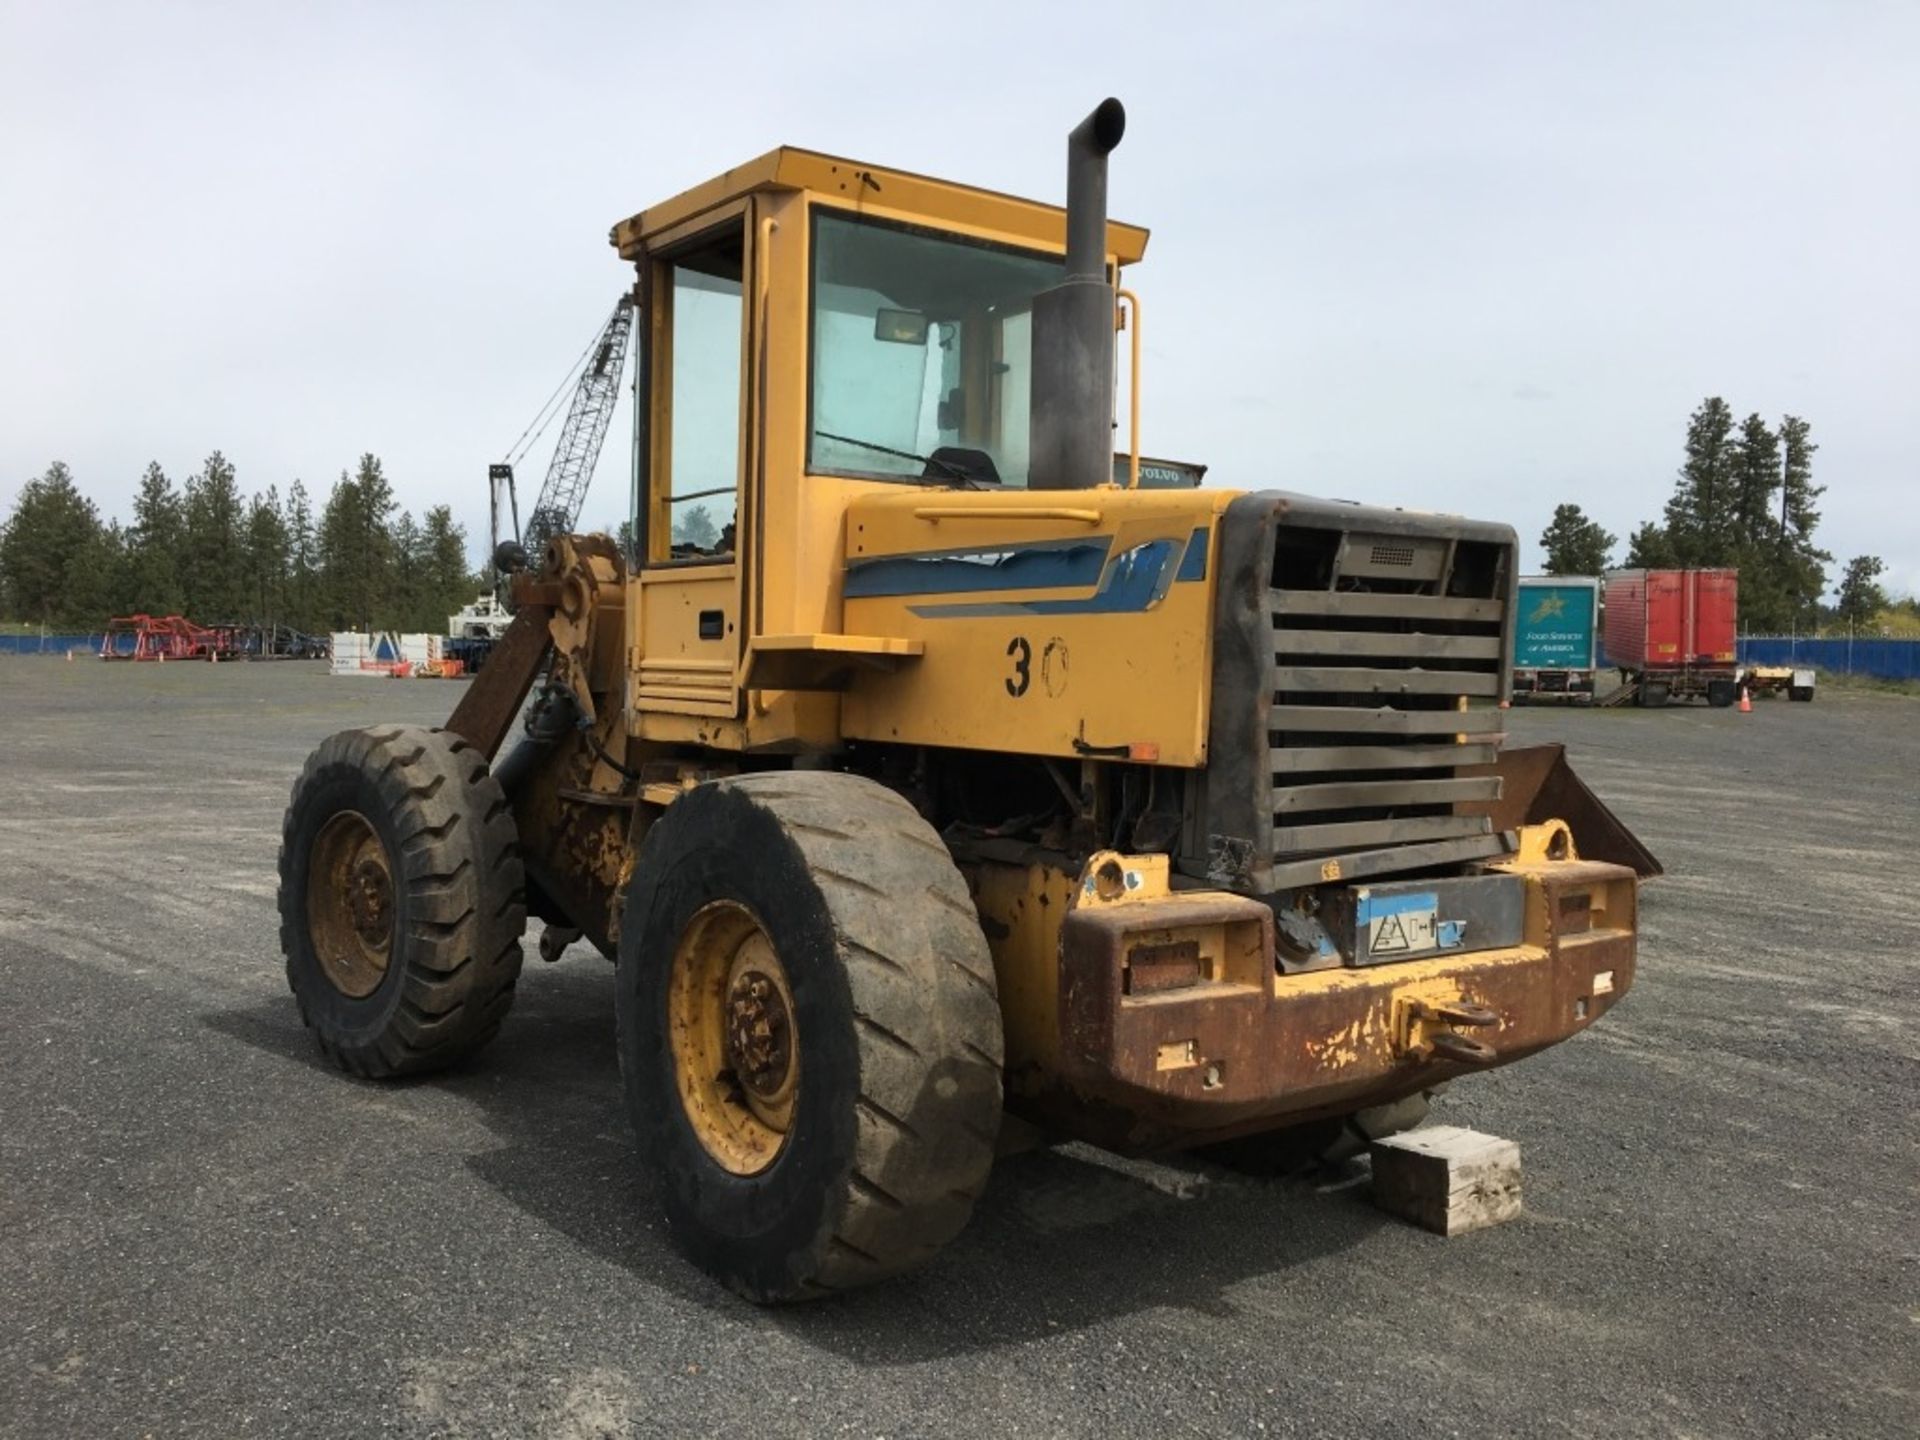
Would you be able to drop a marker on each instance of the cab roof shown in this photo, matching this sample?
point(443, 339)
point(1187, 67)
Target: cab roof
point(936, 202)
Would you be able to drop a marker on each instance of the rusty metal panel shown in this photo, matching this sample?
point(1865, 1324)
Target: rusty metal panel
point(1299, 759)
point(1314, 870)
point(1354, 679)
point(1386, 642)
point(1289, 839)
point(1359, 603)
point(1537, 784)
point(1354, 719)
point(1205, 1061)
point(1292, 798)
point(488, 709)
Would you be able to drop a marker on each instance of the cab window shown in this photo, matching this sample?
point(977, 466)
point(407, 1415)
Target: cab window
point(921, 349)
point(701, 485)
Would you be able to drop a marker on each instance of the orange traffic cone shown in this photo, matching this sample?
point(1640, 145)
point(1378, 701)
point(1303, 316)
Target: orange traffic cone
point(1746, 701)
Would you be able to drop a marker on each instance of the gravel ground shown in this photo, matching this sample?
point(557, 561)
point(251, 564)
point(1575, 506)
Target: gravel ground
point(207, 1233)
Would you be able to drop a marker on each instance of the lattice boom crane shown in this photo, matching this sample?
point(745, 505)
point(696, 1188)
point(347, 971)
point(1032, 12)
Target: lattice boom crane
point(557, 510)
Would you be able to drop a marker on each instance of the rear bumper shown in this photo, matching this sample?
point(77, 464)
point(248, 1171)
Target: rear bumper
point(1550, 684)
point(1249, 1048)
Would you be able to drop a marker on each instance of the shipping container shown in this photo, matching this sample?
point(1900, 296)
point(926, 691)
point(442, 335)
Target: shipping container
point(1672, 632)
point(1555, 634)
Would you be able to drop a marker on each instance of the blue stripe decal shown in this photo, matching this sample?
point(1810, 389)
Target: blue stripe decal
point(1137, 580)
point(1050, 565)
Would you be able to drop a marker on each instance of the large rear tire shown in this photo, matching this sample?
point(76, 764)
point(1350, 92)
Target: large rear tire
point(400, 900)
point(809, 1032)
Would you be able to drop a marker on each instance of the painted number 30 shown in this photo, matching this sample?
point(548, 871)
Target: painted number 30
point(1021, 653)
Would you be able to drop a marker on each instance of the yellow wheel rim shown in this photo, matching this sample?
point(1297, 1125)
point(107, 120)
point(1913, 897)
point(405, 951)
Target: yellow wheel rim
point(736, 1049)
point(350, 904)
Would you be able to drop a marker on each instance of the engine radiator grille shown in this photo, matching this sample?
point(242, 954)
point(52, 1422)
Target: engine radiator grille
point(1370, 658)
point(1377, 657)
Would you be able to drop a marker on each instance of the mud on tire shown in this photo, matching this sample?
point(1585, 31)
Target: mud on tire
point(895, 1016)
point(415, 975)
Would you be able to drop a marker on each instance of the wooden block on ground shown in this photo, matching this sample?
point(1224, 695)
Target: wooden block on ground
point(1447, 1179)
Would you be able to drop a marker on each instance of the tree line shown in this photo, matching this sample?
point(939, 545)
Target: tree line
point(206, 551)
point(1744, 498)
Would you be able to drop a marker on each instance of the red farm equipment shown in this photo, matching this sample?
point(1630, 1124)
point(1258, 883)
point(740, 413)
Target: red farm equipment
point(168, 637)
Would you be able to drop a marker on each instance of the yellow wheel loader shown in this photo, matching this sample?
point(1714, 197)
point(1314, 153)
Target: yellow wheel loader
point(919, 766)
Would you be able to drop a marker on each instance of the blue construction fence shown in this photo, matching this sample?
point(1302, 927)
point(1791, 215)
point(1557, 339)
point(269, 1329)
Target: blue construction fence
point(59, 644)
point(1844, 655)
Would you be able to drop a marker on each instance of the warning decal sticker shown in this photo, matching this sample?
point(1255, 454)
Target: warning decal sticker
point(1402, 925)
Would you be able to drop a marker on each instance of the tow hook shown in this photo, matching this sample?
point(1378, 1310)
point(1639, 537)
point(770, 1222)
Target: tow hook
point(554, 940)
point(1433, 1036)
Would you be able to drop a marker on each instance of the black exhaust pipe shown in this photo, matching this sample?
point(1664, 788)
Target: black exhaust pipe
point(1071, 445)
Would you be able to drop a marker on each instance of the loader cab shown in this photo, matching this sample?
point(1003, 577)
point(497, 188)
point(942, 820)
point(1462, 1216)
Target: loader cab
point(811, 329)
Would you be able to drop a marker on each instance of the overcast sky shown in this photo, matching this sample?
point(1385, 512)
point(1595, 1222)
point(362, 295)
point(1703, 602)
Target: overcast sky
point(1468, 257)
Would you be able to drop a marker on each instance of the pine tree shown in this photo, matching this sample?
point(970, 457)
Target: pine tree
point(447, 583)
point(1797, 490)
point(1803, 564)
point(1757, 553)
point(341, 545)
point(95, 581)
point(1755, 464)
point(1649, 548)
point(50, 548)
point(1746, 500)
point(213, 573)
point(154, 546)
point(376, 513)
point(695, 528)
point(1700, 521)
point(302, 611)
point(266, 556)
point(1574, 544)
point(356, 549)
point(1861, 598)
point(404, 596)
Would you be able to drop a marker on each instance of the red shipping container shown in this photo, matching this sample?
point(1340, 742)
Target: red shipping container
point(1672, 619)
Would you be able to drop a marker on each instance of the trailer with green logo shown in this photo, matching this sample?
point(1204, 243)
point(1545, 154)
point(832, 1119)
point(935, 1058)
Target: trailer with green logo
point(1555, 638)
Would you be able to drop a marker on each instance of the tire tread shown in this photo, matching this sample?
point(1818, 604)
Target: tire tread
point(459, 864)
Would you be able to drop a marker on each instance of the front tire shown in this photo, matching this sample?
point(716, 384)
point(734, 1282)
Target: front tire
point(400, 900)
point(809, 1032)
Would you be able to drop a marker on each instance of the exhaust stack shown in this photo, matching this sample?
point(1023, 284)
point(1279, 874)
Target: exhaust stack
point(1071, 446)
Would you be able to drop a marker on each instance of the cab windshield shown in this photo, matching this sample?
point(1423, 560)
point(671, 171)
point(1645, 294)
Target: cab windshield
point(921, 353)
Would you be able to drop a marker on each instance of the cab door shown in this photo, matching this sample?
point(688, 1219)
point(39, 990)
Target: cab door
point(692, 462)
